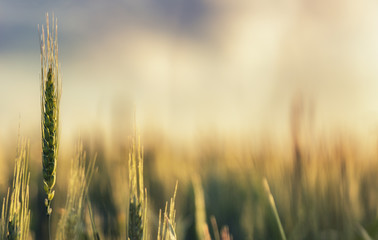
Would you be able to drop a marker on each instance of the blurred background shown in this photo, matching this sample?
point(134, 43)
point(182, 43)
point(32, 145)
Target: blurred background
point(186, 65)
point(250, 86)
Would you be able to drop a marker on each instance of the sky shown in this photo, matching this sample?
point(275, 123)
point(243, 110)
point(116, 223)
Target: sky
point(189, 65)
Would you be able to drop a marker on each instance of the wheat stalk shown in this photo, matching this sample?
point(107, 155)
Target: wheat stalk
point(274, 208)
point(15, 214)
point(71, 225)
point(4, 217)
point(50, 92)
point(137, 221)
point(200, 208)
point(167, 227)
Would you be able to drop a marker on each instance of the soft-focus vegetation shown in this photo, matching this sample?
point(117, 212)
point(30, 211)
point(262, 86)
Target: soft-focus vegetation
point(332, 195)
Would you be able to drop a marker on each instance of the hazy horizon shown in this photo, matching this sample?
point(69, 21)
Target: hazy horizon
point(189, 65)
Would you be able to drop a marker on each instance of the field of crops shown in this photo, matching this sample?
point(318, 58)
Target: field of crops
point(144, 184)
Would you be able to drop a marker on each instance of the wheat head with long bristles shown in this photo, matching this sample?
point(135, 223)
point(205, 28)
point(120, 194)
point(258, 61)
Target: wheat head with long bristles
point(51, 91)
point(137, 221)
point(15, 214)
point(72, 224)
point(167, 223)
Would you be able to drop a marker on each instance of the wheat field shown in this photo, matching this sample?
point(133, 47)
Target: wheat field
point(145, 184)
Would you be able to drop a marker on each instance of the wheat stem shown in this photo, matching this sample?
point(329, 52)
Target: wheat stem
point(274, 208)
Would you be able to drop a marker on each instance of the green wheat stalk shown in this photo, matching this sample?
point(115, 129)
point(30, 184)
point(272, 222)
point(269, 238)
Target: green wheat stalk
point(50, 92)
point(274, 208)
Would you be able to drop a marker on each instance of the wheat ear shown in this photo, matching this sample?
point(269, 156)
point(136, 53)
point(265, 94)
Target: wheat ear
point(15, 215)
point(50, 92)
point(137, 221)
point(72, 224)
point(167, 227)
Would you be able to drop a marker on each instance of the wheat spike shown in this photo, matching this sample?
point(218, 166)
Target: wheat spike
point(50, 92)
point(137, 221)
point(72, 225)
point(167, 226)
point(15, 215)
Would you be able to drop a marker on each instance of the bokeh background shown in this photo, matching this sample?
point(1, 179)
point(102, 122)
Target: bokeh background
point(186, 65)
point(211, 83)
